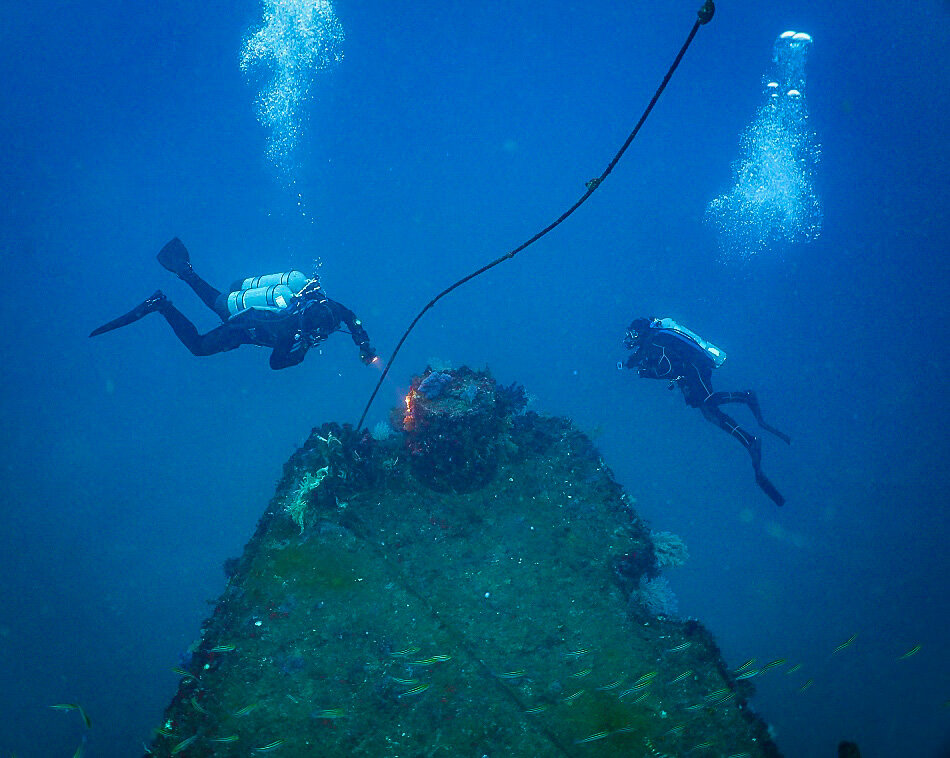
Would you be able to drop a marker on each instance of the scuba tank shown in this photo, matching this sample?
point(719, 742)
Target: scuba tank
point(271, 292)
point(296, 280)
point(713, 353)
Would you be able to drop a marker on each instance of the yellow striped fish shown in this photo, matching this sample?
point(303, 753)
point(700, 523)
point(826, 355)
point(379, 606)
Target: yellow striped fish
point(268, 747)
point(913, 651)
point(183, 744)
point(593, 738)
point(846, 643)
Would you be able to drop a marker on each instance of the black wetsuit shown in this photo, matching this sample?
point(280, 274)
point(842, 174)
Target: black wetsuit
point(662, 354)
point(291, 334)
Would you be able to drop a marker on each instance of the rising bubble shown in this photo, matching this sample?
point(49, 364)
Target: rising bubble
point(773, 200)
point(295, 40)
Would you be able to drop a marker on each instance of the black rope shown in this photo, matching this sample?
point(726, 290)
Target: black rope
point(704, 16)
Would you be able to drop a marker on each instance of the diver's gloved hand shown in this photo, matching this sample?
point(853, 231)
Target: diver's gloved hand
point(367, 354)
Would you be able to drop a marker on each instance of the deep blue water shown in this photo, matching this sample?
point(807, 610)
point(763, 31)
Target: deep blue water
point(446, 136)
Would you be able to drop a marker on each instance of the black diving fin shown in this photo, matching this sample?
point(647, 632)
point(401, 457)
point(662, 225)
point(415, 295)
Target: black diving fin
point(174, 257)
point(150, 305)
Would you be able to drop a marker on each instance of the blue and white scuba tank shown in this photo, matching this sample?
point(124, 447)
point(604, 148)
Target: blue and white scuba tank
point(717, 356)
point(271, 292)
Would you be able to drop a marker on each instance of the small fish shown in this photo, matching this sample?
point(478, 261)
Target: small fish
point(163, 732)
point(718, 693)
point(245, 710)
point(331, 713)
point(226, 648)
point(635, 688)
point(512, 674)
point(184, 674)
point(772, 664)
point(537, 709)
point(643, 696)
point(183, 744)
point(722, 699)
point(80, 750)
point(677, 730)
point(846, 643)
point(913, 651)
point(432, 659)
point(611, 686)
point(593, 738)
point(197, 706)
point(646, 677)
point(744, 666)
point(407, 682)
point(676, 649)
point(573, 697)
point(696, 707)
point(577, 653)
point(581, 674)
point(224, 740)
point(740, 755)
point(794, 668)
point(268, 747)
point(748, 674)
point(416, 690)
point(405, 652)
point(806, 685)
point(703, 745)
point(685, 675)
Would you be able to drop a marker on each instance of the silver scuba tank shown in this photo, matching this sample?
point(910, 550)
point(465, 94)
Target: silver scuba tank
point(276, 297)
point(717, 356)
point(296, 280)
point(271, 292)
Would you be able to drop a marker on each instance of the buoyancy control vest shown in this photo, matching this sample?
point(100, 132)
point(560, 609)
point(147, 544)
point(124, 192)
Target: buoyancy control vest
point(681, 333)
point(271, 292)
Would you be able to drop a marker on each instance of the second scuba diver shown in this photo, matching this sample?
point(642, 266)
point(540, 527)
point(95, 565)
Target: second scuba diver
point(286, 312)
point(663, 349)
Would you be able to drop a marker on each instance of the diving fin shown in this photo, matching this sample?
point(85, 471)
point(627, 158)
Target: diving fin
point(753, 402)
point(174, 257)
point(152, 304)
point(769, 489)
point(755, 450)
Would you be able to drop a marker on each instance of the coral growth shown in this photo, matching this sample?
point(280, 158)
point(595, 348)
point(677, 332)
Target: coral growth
point(669, 548)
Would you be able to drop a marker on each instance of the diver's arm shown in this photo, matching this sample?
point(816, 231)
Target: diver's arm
point(289, 352)
point(357, 332)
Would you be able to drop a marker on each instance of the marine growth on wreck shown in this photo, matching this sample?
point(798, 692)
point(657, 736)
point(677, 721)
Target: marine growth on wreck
point(471, 581)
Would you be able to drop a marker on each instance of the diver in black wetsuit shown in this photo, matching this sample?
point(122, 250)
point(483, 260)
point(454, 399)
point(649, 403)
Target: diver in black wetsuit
point(662, 349)
point(286, 312)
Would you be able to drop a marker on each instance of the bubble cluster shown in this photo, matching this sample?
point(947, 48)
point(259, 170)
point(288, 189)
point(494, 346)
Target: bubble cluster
point(773, 199)
point(296, 39)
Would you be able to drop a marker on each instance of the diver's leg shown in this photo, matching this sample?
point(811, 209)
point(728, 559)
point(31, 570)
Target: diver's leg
point(715, 416)
point(753, 402)
point(208, 294)
point(174, 257)
point(218, 340)
point(750, 442)
point(748, 397)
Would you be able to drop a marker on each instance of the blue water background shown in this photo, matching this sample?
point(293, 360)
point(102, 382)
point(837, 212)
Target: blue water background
point(449, 134)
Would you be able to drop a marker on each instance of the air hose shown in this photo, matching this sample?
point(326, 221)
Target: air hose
point(703, 16)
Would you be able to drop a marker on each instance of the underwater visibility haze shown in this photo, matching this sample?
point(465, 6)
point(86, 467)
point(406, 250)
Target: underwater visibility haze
point(524, 550)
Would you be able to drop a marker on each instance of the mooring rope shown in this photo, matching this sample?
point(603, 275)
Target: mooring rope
point(704, 16)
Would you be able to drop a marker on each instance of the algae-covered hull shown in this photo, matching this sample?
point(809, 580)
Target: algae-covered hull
point(460, 588)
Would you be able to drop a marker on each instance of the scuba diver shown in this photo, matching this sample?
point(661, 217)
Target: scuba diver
point(663, 349)
point(287, 312)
